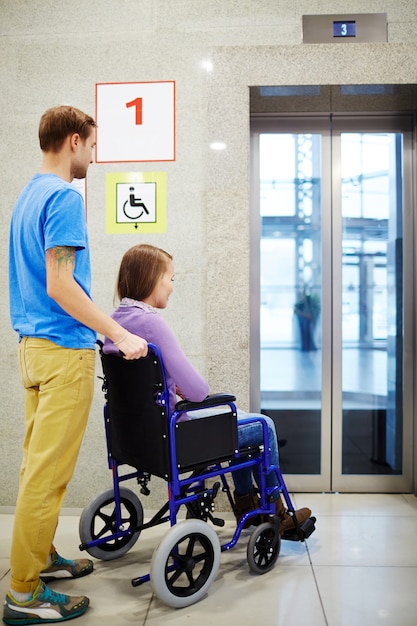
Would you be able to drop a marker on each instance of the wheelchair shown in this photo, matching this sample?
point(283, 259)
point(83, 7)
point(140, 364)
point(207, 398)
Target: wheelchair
point(194, 456)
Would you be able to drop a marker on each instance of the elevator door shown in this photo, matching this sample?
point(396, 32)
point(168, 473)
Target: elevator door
point(332, 259)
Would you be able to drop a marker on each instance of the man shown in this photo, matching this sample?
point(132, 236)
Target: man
point(56, 320)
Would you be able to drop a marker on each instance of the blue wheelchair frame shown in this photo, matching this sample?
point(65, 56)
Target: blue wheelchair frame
point(187, 487)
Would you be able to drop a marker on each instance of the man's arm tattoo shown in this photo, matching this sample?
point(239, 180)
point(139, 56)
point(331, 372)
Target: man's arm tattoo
point(59, 256)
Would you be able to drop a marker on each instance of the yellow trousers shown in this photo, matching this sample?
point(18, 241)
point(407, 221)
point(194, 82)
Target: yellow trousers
point(59, 385)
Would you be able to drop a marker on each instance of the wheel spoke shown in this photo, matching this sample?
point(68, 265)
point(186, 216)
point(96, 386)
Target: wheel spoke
point(201, 557)
point(175, 555)
point(175, 575)
point(190, 547)
point(107, 519)
point(191, 580)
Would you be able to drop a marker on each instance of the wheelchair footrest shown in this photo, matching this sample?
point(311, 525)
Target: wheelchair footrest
point(302, 532)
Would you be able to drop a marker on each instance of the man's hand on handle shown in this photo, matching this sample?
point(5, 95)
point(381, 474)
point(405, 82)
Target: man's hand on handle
point(132, 346)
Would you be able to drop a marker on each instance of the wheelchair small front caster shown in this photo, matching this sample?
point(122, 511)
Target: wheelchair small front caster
point(263, 547)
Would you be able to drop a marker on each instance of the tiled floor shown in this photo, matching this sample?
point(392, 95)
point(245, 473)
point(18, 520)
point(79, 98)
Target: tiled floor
point(359, 567)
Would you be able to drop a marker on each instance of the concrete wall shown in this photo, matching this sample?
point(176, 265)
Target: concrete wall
point(55, 52)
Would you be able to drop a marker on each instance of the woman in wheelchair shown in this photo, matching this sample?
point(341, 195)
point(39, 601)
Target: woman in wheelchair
point(144, 285)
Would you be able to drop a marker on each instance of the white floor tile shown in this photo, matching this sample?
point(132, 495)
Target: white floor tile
point(360, 566)
point(6, 525)
point(4, 568)
point(375, 596)
point(237, 596)
point(347, 504)
point(365, 541)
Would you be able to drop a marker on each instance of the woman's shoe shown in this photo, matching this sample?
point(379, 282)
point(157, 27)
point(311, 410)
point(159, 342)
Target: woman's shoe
point(286, 519)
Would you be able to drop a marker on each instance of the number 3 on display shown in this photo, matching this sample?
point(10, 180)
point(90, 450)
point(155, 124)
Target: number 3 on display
point(137, 103)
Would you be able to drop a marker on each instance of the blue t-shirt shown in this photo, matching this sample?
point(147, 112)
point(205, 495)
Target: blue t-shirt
point(48, 213)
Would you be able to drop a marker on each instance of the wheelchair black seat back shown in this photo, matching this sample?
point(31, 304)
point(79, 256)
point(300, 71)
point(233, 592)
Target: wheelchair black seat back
point(134, 420)
point(138, 425)
point(193, 456)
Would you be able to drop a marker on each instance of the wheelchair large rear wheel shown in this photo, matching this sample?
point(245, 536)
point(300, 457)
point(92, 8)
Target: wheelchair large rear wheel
point(98, 521)
point(263, 548)
point(185, 563)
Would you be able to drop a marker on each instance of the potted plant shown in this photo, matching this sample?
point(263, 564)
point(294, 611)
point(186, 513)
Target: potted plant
point(307, 310)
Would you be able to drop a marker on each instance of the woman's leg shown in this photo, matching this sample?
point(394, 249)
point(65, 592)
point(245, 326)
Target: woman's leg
point(252, 435)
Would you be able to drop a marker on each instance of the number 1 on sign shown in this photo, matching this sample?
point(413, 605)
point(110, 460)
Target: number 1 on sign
point(137, 103)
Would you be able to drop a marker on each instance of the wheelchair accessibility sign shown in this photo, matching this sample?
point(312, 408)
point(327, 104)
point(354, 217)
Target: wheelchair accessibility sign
point(136, 202)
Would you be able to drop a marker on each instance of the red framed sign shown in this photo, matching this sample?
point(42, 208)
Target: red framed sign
point(135, 122)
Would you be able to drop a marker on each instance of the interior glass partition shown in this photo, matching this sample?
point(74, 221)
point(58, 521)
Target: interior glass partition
point(372, 302)
point(335, 321)
point(291, 368)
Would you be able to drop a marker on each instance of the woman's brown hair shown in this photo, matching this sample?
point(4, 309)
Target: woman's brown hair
point(140, 269)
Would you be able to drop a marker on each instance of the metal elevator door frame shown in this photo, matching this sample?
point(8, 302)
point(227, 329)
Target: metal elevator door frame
point(331, 127)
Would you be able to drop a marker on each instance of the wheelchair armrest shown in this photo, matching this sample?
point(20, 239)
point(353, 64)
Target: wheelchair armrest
point(215, 399)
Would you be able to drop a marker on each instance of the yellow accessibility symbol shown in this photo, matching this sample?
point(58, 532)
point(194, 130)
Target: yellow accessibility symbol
point(136, 201)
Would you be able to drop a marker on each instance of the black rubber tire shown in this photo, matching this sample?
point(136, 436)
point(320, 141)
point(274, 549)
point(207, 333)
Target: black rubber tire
point(263, 548)
point(98, 520)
